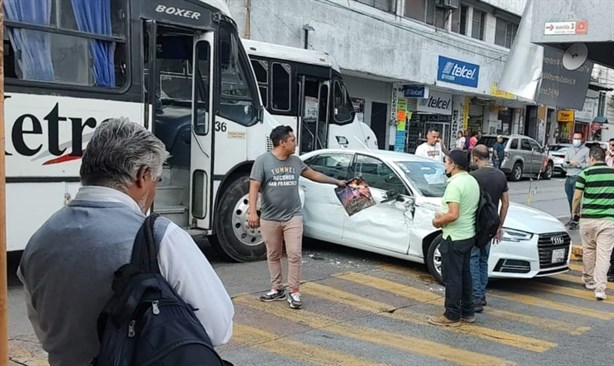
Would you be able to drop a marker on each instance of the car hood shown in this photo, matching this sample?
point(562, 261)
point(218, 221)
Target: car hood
point(532, 220)
point(519, 217)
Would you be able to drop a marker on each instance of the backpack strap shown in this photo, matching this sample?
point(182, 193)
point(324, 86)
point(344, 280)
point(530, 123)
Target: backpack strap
point(145, 249)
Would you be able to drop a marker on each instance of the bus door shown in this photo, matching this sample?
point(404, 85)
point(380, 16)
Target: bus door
point(202, 134)
point(313, 121)
point(177, 84)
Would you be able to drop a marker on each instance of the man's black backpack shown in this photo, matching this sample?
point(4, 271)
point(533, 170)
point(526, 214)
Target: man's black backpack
point(146, 322)
point(486, 220)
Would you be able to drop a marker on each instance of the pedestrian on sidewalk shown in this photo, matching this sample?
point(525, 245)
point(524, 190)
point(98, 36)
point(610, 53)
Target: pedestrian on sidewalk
point(460, 140)
point(433, 148)
point(68, 265)
point(276, 175)
point(594, 196)
point(494, 182)
point(498, 152)
point(457, 221)
point(576, 159)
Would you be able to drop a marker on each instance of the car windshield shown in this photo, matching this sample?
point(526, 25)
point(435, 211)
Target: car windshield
point(428, 177)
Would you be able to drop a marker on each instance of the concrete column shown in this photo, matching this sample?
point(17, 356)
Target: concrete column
point(490, 27)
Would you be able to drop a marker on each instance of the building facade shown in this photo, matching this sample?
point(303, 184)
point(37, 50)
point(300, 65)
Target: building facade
point(409, 65)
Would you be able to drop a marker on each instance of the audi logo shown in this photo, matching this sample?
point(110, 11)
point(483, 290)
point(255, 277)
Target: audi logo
point(557, 240)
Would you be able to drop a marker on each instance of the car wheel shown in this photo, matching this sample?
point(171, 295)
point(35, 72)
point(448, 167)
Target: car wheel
point(516, 173)
point(433, 259)
point(233, 237)
point(548, 172)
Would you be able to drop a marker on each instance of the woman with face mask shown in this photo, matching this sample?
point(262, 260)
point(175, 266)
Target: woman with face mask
point(576, 159)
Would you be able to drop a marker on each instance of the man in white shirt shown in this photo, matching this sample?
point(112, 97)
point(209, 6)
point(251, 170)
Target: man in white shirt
point(433, 148)
point(68, 265)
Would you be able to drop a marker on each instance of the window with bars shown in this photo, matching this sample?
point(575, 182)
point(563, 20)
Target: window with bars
point(385, 5)
point(479, 18)
point(505, 32)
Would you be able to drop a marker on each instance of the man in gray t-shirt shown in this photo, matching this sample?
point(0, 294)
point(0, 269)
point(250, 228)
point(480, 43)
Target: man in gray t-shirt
point(276, 175)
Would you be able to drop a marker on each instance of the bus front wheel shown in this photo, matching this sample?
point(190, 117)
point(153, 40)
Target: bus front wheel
point(233, 236)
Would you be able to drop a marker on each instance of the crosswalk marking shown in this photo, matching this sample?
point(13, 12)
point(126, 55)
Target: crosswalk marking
point(566, 291)
point(294, 350)
point(574, 279)
point(375, 336)
point(525, 299)
point(538, 322)
point(383, 309)
point(576, 267)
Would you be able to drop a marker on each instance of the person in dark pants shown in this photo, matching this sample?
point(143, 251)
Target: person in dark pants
point(457, 220)
point(494, 182)
point(576, 159)
point(498, 152)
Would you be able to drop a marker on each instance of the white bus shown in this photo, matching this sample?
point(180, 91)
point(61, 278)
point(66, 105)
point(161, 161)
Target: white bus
point(176, 66)
point(304, 89)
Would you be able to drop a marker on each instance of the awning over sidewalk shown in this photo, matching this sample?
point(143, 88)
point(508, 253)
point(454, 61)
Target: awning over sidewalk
point(600, 120)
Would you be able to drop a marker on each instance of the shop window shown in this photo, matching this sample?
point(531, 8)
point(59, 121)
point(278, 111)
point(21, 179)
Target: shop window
point(44, 44)
point(505, 32)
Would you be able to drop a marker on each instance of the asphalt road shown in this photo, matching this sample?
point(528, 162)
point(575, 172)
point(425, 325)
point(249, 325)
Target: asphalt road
point(366, 309)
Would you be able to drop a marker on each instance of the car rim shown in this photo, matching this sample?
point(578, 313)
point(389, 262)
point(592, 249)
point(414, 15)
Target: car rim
point(437, 260)
point(243, 232)
point(517, 172)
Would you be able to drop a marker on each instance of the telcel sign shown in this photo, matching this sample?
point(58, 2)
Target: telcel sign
point(458, 72)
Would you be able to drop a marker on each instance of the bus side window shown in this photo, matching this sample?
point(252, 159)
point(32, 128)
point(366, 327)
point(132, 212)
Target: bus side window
point(236, 94)
point(96, 58)
point(282, 74)
point(261, 69)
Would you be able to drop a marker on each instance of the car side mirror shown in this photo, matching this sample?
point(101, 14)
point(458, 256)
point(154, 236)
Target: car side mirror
point(391, 195)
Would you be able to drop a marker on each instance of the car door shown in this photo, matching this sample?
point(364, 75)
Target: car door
point(323, 213)
point(385, 225)
point(527, 155)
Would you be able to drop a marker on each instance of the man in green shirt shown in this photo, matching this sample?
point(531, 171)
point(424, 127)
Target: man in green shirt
point(457, 221)
point(594, 196)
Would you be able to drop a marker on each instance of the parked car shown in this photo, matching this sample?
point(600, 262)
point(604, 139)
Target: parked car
point(407, 190)
point(523, 156)
point(557, 154)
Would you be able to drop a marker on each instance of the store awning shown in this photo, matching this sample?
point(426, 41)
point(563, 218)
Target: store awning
point(600, 119)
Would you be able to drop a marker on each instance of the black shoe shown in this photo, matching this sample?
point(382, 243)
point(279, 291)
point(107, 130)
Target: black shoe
point(478, 307)
point(274, 295)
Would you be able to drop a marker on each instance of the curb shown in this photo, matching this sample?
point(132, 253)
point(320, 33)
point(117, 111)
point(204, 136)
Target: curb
point(576, 252)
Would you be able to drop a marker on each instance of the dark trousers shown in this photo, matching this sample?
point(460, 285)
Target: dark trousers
point(456, 275)
point(570, 188)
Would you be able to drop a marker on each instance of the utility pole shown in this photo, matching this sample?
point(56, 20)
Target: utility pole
point(248, 19)
point(4, 341)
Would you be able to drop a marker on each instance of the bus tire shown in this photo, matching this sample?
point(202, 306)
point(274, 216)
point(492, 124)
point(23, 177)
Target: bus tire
point(232, 235)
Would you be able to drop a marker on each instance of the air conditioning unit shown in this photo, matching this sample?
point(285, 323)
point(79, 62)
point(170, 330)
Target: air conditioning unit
point(448, 4)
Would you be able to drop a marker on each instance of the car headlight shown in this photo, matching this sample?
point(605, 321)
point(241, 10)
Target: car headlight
point(515, 236)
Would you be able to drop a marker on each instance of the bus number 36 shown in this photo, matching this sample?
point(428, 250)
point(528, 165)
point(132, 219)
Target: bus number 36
point(220, 126)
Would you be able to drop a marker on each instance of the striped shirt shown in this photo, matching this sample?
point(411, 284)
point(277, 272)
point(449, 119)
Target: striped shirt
point(597, 182)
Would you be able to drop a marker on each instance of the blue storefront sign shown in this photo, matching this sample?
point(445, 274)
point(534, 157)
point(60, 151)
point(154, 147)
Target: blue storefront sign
point(458, 72)
point(415, 91)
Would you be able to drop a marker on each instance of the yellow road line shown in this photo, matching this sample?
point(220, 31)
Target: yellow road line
point(567, 291)
point(576, 267)
point(554, 305)
point(540, 322)
point(510, 339)
point(294, 350)
point(387, 339)
point(392, 286)
point(574, 279)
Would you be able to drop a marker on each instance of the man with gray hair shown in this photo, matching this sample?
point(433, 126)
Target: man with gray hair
point(67, 267)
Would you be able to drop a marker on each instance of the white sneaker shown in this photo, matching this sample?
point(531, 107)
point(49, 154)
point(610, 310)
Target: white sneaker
point(590, 285)
point(600, 295)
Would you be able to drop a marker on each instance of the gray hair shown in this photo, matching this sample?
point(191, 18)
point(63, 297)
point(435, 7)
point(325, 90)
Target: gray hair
point(116, 152)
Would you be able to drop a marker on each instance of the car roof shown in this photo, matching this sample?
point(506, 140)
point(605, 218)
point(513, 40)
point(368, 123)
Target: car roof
point(386, 155)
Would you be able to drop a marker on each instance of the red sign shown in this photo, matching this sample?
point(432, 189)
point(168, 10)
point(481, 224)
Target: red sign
point(581, 27)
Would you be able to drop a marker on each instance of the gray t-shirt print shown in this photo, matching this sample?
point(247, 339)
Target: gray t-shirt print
point(279, 179)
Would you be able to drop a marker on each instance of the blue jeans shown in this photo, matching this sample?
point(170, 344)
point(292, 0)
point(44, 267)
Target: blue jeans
point(570, 187)
point(456, 276)
point(479, 271)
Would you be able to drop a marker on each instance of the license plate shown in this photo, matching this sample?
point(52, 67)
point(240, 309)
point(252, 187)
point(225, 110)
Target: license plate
point(558, 255)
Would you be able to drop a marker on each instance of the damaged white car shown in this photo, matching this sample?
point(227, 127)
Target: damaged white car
point(407, 190)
